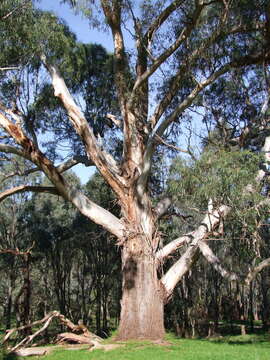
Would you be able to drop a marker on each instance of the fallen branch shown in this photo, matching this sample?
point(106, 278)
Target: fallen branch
point(73, 338)
point(38, 322)
point(30, 338)
point(29, 352)
point(85, 338)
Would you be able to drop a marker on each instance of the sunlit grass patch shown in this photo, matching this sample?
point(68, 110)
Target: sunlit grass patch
point(247, 347)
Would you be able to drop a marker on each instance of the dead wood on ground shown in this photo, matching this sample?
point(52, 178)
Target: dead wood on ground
point(82, 336)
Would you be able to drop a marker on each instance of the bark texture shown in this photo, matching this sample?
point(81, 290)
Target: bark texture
point(142, 300)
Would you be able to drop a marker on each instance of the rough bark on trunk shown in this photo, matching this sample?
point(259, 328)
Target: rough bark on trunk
point(142, 304)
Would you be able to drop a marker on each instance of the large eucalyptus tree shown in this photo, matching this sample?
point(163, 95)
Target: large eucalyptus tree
point(180, 48)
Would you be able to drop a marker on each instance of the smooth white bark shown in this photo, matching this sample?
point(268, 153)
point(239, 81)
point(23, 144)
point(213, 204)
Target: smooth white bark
point(173, 246)
point(87, 207)
point(183, 265)
point(214, 260)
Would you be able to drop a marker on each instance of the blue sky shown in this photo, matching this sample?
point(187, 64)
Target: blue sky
point(78, 24)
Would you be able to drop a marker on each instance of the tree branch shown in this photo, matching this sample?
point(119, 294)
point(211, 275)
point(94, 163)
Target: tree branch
point(180, 268)
point(184, 68)
point(245, 60)
point(17, 252)
point(26, 188)
point(174, 245)
point(163, 206)
point(253, 272)
point(231, 276)
point(214, 260)
point(104, 161)
point(185, 33)
point(77, 159)
point(115, 120)
point(8, 149)
point(9, 68)
point(163, 16)
point(21, 6)
point(122, 72)
point(87, 207)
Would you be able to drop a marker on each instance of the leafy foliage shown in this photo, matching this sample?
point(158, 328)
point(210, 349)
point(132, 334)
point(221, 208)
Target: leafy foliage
point(219, 175)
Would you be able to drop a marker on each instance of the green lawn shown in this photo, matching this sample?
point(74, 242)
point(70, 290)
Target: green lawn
point(248, 347)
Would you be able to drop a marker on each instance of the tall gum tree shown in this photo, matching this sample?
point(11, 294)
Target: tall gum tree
point(195, 43)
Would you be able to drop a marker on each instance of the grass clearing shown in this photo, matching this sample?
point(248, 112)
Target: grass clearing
point(248, 347)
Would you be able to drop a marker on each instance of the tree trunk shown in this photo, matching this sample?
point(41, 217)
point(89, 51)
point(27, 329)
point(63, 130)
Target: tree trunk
point(265, 300)
point(142, 304)
point(8, 307)
point(26, 292)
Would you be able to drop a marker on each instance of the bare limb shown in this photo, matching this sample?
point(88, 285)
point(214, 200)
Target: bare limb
point(215, 261)
point(115, 120)
point(174, 245)
point(266, 151)
point(11, 331)
point(163, 206)
point(87, 335)
point(77, 159)
point(16, 252)
point(180, 268)
point(163, 16)
point(104, 161)
point(30, 338)
point(27, 188)
point(87, 207)
point(19, 7)
point(9, 68)
point(176, 148)
point(245, 60)
point(184, 68)
point(113, 14)
point(253, 272)
point(231, 276)
point(185, 33)
point(8, 149)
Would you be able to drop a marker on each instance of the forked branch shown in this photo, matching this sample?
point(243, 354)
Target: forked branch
point(104, 161)
point(231, 276)
point(87, 207)
point(183, 265)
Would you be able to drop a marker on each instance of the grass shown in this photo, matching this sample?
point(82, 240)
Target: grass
point(247, 347)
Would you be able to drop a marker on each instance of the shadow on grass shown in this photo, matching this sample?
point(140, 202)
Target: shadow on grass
point(243, 340)
point(6, 356)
